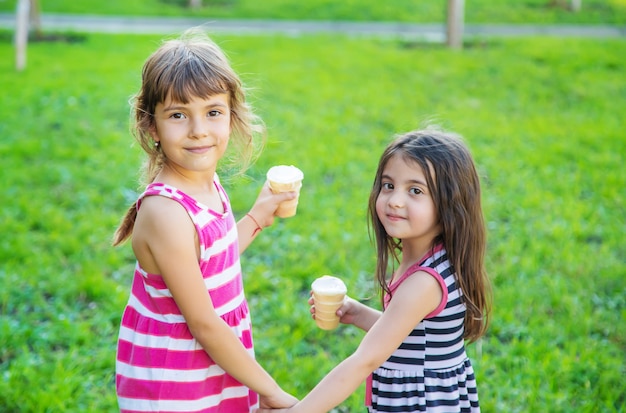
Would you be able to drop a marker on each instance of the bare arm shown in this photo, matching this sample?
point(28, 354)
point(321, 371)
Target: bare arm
point(358, 314)
point(165, 242)
point(260, 216)
point(417, 296)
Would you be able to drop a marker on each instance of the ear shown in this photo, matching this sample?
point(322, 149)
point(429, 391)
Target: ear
point(153, 132)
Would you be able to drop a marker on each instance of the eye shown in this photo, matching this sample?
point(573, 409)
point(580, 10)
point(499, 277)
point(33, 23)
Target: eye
point(387, 186)
point(214, 113)
point(415, 191)
point(177, 115)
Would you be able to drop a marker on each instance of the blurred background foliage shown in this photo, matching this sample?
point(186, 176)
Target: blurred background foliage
point(543, 117)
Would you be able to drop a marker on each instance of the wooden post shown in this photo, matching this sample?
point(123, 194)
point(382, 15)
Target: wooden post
point(35, 16)
point(21, 33)
point(576, 5)
point(195, 4)
point(454, 31)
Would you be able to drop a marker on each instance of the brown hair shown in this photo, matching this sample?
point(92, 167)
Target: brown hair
point(455, 187)
point(192, 65)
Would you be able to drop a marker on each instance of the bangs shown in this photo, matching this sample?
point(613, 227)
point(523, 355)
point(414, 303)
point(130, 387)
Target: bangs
point(188, 75)
point(427, 166)
point(420, 151)
point(193, 79)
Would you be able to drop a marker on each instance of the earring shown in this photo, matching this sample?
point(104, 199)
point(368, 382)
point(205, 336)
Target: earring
point(156, 144)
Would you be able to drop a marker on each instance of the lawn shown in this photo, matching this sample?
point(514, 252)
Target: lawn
point(476, 11)
point(543, 117)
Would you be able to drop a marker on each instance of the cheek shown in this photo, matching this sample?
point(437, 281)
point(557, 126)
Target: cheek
point(223, 130)
point(380, 206)
point(224, 140)
point(435, 218)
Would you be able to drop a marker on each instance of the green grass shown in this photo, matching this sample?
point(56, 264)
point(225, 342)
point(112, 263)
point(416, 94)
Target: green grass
point(476, 11)
point(544, 119)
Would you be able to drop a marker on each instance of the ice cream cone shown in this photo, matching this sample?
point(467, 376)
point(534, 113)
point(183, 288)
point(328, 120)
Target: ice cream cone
point(283, 178)
point(328, 296)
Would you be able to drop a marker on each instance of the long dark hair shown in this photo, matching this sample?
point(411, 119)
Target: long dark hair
point(455, 187)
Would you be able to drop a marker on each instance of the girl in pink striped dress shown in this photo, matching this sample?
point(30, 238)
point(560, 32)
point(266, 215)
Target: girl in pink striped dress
point(185, 342)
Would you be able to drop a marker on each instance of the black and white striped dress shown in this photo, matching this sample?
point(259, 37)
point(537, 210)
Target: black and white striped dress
point(430, 371)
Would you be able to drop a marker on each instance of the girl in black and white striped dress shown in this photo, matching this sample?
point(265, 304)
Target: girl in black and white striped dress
point(426, 215)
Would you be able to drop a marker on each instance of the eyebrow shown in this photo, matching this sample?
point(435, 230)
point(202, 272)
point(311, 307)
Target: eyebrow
point(182, 106)
point(410, 181)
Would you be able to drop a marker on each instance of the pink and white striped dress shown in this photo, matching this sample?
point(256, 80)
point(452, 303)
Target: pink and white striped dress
point(160, 365)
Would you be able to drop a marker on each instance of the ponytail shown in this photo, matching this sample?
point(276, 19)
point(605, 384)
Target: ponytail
point(125, 229)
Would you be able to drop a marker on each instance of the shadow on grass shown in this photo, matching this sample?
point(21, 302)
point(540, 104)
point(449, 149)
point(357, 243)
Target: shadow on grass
point(34, 37)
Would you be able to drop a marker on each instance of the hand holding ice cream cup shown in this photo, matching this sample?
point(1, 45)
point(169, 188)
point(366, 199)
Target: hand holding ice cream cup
point(329, 294)
point(285, 178)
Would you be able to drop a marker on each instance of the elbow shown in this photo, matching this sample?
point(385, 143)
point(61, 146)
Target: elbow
point(204, 328)
point(368, 362)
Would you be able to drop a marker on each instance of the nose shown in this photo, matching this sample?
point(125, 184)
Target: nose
point(199, 128)
point(395, 200)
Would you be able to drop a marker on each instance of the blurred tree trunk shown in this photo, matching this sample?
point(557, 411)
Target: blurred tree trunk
point(195, 4)
point(454, 27)
point(572, 5)
point(21, 33)
point(27, 13)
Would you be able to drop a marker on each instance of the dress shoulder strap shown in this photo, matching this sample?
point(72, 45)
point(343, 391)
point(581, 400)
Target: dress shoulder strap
point(417, 265)
point(161, 189)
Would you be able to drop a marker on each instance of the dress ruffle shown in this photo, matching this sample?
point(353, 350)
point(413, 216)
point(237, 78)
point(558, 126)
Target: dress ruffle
point(433, 391)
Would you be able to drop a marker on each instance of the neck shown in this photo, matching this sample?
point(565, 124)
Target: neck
point(187, 181)
point(413, 252)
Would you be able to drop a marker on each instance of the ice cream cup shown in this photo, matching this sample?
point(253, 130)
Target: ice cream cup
point(326, 324)
point(328, 296)
point(285, 178)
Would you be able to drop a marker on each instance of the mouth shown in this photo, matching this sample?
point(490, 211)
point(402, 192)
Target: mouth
point(200, 149)
point(394, 217)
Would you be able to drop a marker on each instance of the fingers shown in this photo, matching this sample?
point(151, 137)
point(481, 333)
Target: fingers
point(311, 303)
point(267, 203)
point(344, 309)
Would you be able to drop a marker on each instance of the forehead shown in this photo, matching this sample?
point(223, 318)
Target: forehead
point(402, 166)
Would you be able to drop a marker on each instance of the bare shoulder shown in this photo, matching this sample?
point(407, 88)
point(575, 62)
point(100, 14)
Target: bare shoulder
point(162, 224)
point(418, 295)
point(420, 279)
point(159, 213)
